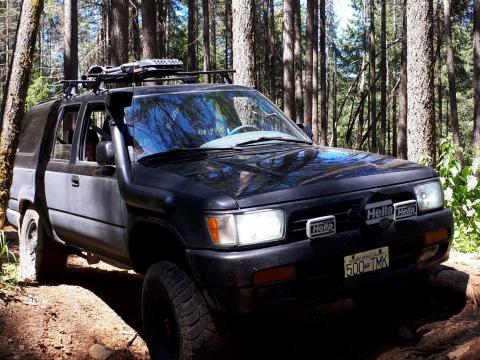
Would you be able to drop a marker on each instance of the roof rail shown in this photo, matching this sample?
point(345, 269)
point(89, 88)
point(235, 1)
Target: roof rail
point(147, 70)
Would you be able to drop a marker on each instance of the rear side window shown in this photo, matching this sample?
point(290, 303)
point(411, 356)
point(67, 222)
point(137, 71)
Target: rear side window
point(65, 132)
point(33, 126)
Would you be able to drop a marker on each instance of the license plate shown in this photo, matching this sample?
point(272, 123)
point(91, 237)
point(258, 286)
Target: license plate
point(366, 261)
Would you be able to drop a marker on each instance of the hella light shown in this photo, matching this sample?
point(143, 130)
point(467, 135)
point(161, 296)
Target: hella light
point(246, 229)
point(429, 196)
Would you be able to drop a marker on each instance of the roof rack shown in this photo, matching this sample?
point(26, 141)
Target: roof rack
point(147, 70)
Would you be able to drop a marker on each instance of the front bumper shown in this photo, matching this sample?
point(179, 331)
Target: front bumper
point(226, 277)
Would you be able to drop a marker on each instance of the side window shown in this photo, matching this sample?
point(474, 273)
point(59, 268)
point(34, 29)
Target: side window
point(95, 131)
point(65, 132)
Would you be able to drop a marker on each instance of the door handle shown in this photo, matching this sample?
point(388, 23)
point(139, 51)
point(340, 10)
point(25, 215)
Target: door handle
point(75, 180)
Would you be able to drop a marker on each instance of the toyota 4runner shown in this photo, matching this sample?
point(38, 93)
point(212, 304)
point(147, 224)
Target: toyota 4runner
point(222, 202)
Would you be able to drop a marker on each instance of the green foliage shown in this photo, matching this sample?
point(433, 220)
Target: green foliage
point(39, 89)
point(8, 263)
point(462, 196)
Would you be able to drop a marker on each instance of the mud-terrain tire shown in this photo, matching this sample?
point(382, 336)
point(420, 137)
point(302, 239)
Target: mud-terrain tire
point(41, 259)
point(176, 320)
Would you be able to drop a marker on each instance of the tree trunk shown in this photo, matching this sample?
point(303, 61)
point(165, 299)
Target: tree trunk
point(118, 27)
point(191, 47)
point(273, 90)
point(70, 40)
point(363, 90)
point(16, 94)
point(206, 36)
point(149, 29)
point(288, 65)
point(373, 86)
point(323, 76)
point(421, 137)
point(334, 100)
point(135, 31)
point(315, 124)
point(476, 66)
point(213, 37)
point(243, 51)
point(298, 64)
point(383, 74)
point(161, 27)
point(307, 110)
point(402, 151)
point(452, 91)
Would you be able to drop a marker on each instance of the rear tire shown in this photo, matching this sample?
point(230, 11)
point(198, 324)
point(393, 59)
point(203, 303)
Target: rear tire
point(176, 320)
point(41, 259)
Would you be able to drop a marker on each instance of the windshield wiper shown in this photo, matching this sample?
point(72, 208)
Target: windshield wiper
point(276, 138)
point(187, 152)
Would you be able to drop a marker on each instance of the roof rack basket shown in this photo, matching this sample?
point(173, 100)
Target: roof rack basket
point(147, 70)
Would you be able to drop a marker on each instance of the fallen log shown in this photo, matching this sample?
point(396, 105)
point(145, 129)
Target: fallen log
point(457, 281)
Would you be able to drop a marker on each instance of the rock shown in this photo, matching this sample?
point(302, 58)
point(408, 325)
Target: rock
point(460, 351)
point(99, 352)
point(405, 333)
point(21, 347)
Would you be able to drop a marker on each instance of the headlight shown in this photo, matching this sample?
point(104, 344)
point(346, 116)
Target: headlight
point(429, 196)
point(247, 228)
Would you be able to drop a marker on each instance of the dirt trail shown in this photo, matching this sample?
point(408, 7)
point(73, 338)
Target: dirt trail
point(101, 304)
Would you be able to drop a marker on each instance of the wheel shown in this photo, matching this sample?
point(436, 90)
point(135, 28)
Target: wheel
point(41, 259)
point(176, 321)
point(242, 128)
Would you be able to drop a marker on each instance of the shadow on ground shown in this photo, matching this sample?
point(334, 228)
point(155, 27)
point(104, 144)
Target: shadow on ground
point(334, 331)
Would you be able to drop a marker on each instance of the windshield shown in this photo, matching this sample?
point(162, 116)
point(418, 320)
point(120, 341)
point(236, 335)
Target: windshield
point(206, 120)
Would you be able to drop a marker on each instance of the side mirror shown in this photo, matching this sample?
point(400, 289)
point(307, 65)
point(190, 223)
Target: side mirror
point(104, 153)
point(307, 130)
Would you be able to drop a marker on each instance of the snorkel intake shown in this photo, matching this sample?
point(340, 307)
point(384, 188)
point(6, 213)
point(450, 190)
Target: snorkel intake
point(135, 195)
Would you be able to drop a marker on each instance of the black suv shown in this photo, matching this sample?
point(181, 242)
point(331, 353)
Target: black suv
point(223, 202)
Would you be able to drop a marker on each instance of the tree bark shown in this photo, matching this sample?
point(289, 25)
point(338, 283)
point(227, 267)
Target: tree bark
point(288, 53)
point(307, 110)
point(421, 137)
point(273, 90)
point(136, 51)
point(15, 97)
point(315, 124)
point(383, 74)
point(118, 27)
point(373, 86)
point(70, 40)
point(323, 76)
point(191, 47)
point(243, 51)
point(363, 90)
point(213, 37)
point(476, 67)
point(206, 36)
point(402, 151)
point(452, 90)
point(298, 64)
point(149, 29)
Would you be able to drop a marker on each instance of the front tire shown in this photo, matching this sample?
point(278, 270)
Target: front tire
point(41, 259)
point(176, 320)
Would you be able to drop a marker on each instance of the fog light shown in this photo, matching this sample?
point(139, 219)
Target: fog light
point(273, 275)
point(428, 253)
point(435, 236)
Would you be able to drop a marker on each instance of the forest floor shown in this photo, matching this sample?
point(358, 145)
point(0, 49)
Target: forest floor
point(101, 305)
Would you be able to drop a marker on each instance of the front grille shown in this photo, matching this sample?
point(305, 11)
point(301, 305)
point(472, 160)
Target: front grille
point(346, 214)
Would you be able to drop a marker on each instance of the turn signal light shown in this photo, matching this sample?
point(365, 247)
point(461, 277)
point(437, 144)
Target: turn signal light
point(213, 227)
point(273, 275)
point(435, 236)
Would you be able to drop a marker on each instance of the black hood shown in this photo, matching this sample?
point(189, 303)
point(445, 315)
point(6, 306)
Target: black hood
point(286, 173)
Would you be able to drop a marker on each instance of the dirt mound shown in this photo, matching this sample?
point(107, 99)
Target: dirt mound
point(101, 305)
